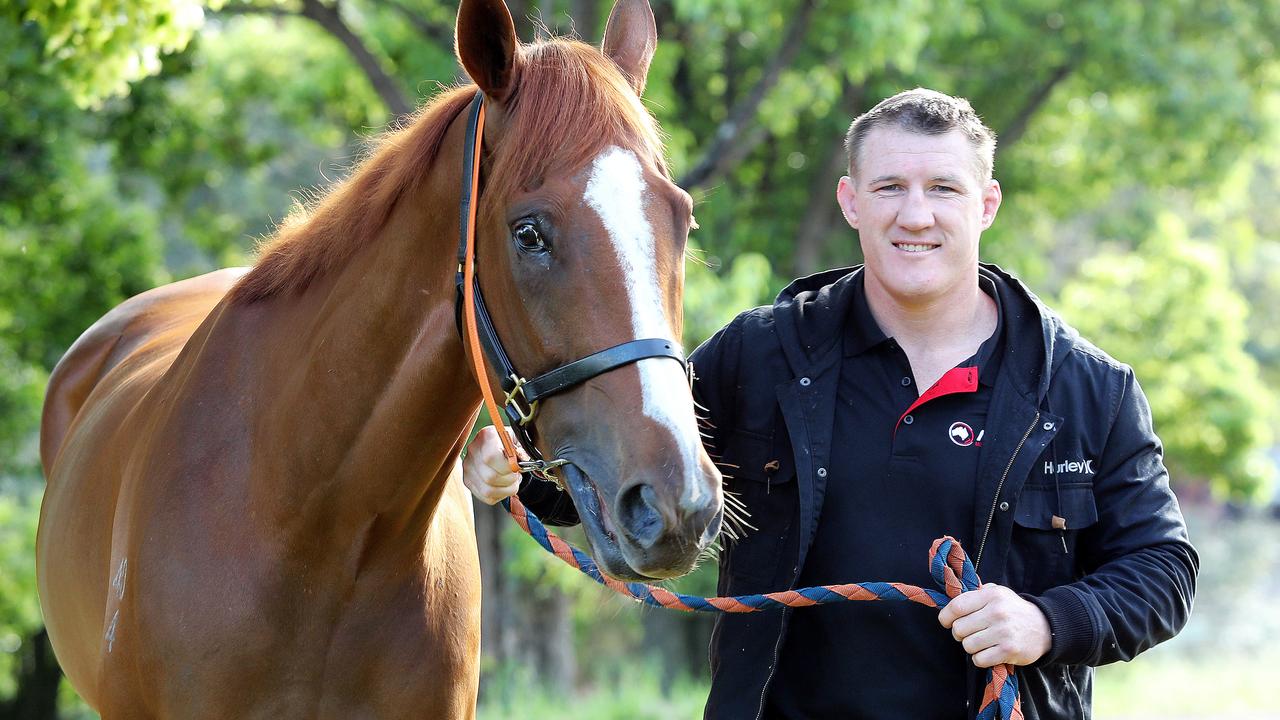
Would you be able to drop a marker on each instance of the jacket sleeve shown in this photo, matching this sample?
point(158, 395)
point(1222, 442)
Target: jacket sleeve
point(715, 369)
point(1139, 566)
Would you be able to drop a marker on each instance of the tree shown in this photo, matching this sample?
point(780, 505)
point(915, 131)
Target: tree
point(1169, 310)
point(69, 250)
point(98, 48)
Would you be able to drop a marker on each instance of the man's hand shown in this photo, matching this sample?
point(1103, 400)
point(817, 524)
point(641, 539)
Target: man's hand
point(997, 626)
point(485, 471)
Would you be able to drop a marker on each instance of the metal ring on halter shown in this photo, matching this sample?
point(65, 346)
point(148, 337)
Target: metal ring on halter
point(541, 469)
point(524, 417)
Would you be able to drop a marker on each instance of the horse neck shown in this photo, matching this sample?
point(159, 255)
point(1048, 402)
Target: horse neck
point(377, 398)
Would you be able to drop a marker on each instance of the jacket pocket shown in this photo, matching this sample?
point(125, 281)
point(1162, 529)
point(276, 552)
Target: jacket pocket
point(1047, 524)
point(763, 480)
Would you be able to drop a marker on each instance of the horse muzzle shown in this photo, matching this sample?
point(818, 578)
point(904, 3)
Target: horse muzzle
point(646, 533)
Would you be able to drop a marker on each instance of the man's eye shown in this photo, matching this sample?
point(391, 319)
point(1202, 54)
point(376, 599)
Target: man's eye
point(528, 238)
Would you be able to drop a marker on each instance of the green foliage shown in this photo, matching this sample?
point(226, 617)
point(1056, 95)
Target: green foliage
point(65, 270)
point(70, 248)
point(1170, 311)
point(98, 47)
point(21, 391)
point(711, 300)
point(232, 134)
point(19, 609)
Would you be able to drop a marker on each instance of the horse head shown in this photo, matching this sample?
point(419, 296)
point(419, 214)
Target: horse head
point(580, 245)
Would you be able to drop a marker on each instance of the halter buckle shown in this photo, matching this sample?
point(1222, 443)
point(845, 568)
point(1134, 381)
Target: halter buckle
point(524, 416)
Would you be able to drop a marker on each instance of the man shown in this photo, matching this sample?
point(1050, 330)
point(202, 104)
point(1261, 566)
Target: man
point(869, 411)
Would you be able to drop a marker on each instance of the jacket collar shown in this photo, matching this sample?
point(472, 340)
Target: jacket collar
point(811, 312)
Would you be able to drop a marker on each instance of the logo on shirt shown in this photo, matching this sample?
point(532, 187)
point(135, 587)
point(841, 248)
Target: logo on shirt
point(961, 434)
point(1083, 466)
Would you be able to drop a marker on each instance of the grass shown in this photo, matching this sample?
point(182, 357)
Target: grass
point(636, 695)
point(1185, 687)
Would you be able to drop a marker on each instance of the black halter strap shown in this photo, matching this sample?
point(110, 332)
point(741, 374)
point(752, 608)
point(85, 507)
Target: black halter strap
point(522, 396)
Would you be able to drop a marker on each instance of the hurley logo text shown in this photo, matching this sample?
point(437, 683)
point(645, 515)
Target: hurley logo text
point(1070, 466)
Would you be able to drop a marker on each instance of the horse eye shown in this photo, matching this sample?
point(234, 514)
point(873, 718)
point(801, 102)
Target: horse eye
point(528, 238)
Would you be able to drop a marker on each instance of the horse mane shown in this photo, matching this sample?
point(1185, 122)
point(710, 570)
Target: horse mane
point(569, 103)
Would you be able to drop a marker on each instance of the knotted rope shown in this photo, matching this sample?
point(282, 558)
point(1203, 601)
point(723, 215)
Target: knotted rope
point(948, 564)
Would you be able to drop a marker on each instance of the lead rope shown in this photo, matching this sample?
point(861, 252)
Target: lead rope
point(948, 564)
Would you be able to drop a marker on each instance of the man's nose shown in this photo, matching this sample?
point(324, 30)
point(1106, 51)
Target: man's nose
point(915, 213)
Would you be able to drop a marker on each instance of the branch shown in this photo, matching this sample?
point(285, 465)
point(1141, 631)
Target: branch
point(273, 10)
point(1014, 132)
point(714, 161)
point(328, 18)
point(433, 31)
point(822, 214)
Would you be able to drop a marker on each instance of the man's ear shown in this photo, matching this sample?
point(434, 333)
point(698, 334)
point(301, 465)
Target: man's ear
point(630, 38)
point(845, 195)
point(991, 198)
point(486, 44)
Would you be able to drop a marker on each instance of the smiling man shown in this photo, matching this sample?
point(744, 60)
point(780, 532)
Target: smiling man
point(871, 410)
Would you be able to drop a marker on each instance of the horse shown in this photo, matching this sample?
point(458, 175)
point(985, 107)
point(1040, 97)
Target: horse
point(253, 503)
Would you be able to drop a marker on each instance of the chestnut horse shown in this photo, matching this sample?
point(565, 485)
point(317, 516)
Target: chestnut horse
point(254, 506)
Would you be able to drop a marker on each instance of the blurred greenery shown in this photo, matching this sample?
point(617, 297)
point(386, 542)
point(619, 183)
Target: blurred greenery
point(1183, 328)
point(147, 140)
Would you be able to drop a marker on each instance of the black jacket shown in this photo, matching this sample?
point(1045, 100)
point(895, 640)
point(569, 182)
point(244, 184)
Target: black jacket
point(1127, 577)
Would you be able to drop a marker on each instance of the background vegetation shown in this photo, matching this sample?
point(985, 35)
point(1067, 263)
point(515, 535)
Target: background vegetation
point(143, 141)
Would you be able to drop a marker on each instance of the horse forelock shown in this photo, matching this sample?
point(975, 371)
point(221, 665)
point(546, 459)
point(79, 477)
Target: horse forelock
point(570, 102)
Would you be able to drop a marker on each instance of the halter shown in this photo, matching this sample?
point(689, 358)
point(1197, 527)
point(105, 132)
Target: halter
point(520, 402)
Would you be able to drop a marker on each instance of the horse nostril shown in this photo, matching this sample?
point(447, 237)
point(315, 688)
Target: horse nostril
point(641, 521)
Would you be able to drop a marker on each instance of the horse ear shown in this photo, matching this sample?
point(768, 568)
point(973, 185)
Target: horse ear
point(486, 44)
point(630, 37)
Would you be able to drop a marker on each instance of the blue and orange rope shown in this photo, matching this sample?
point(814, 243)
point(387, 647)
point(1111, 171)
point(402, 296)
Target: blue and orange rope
point(948, 564)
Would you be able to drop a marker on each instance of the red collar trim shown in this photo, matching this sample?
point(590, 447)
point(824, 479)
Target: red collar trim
point(955, 380)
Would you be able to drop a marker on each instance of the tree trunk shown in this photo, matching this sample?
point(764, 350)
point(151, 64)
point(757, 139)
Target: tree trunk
point(1009, 136)
point(822, 219)
point(549, 637)
point(724, 150)
point(497, 634)
point(385, 85)
point(38, 679)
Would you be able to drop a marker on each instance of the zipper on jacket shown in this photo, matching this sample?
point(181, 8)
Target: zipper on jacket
point(777, 649)
point(994, 501)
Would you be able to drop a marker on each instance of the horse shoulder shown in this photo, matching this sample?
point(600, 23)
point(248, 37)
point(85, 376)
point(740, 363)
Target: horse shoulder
point(171, 312)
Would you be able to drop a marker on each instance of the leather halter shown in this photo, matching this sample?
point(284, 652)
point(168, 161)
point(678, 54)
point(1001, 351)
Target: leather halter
point(522, 396)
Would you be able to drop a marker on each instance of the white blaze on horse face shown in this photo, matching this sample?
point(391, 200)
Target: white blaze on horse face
point(617, 192)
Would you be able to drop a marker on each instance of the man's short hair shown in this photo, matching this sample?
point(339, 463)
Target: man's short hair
point(927, 112)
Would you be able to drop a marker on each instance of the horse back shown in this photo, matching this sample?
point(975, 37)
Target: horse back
point(90, 396)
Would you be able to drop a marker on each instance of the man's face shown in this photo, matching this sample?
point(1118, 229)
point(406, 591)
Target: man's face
point(919, 208)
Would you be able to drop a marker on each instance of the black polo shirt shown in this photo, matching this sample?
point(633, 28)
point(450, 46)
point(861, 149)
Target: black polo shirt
point(903, 473)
